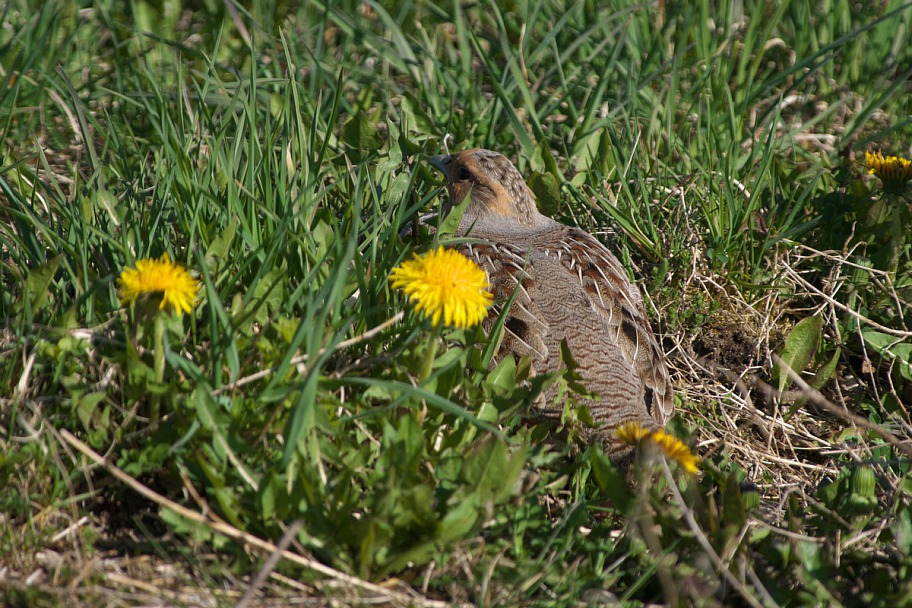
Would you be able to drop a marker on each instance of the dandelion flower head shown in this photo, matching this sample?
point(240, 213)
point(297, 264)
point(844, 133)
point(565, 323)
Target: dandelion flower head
point(894, 171)
point(632, 433)
point(162, 277)
point(445, 285)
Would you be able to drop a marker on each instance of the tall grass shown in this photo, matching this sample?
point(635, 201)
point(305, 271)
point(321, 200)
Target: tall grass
point(283, 163)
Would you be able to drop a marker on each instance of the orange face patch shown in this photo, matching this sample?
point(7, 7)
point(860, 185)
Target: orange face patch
point(485, 191)
point(459, 191)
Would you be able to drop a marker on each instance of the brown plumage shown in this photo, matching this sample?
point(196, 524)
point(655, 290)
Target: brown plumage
point(568, 287)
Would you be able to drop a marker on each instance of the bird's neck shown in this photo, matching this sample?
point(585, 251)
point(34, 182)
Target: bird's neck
point(485, 223)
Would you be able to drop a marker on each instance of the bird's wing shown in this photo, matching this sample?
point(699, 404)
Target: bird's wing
point(510, 275)
point(619, 305)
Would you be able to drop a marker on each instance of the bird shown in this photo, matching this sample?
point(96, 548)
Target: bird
point(567, 288)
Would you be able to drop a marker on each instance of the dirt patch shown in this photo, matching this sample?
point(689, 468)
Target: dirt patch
point(735, 345)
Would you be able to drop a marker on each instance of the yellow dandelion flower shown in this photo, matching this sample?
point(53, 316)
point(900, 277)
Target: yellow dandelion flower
point(632, 433)
point(162, 277)
point(894, 171)
point(444, 284)
point(675, 449)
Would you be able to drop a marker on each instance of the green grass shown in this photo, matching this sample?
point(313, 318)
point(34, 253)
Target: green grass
point(723, 150)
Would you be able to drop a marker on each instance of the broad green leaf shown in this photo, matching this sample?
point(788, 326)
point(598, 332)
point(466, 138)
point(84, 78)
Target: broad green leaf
point(546, 188)
point(416, 556)
point(820, 378)
point(286, 327)
point(208, 413)
point(270, 488)
point(587, 153)
point(903, 531)
point(800, 347)
point(398, 189)
point(449, 357)
point(323, 234)
point(733, 503)
point(611, 480)
point(181, 525)
point(38, 280)
point(380, 392)
point(493, 471)
point(221, 244)
point(892, 348)
point(395, 152)
point(360, 133)
point(826, 371)
point(450, 223)
point(488, 413)
point(809, 554)
point(269, 290)
point(459, 521)
point(410, 441)
point(138, 372)
point(86, 406)
point(418, 120)
point(105, 199)
point(503, 377)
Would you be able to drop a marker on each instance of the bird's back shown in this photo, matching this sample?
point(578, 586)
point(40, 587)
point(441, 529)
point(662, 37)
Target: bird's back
point(569, 287)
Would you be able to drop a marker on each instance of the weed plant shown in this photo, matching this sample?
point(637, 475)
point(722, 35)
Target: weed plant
point(279, 154)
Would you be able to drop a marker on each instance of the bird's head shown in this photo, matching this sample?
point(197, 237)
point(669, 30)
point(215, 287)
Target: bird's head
point(497, 190)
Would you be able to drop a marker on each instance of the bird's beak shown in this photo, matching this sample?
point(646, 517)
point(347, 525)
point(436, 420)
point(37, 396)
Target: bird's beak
point(441, 162)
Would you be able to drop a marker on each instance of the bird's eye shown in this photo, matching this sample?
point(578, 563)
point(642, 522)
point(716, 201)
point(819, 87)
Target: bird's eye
point(463, 174)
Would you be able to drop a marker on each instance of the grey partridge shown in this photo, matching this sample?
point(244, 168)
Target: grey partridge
point(568, 287)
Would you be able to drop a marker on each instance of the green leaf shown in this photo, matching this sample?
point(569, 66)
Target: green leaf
point(821, 376)
point(826, 371)
point(301, 419)
point(410, 442)
point(323, 234)
point(105, 199)
point(800, 347)
point(433, 400)
point(360, 134)
point(450, 223)
point(210, 416)
point(546, 188)
point(395, 152)
point(503, 377)
point(610, 480)
point(488, 413)
point(460, 521)
point(37, 282)
point(418, 120)
point(86, 406)
point(139, 374)
point(809, 554)
point(733, 503)
point(269, 490)
point(400, 186)
point(269, 294)
point(493, 471)
point(892, 348)
point(200, 532)
point(221, 244)
point(587, 154)
point(903, 531)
